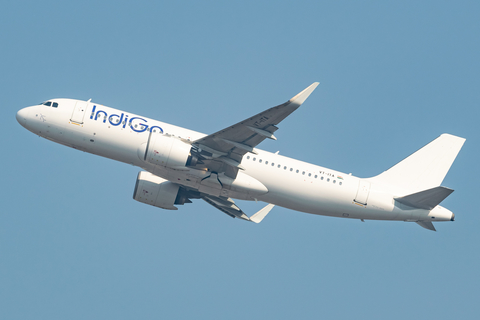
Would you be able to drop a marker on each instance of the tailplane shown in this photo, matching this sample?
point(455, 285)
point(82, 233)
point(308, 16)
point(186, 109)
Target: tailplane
point(424, 169)
point(427, 199)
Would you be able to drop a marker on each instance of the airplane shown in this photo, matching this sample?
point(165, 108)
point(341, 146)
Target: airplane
point(180, 165)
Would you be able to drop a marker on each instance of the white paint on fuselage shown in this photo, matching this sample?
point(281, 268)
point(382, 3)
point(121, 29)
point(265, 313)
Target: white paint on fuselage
point(291, 183)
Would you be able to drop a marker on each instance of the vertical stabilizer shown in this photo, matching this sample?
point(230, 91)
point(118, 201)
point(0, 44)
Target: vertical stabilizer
point(426, 168)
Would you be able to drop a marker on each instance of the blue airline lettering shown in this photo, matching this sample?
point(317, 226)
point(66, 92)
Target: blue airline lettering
point(104, 118)
point(116, 120)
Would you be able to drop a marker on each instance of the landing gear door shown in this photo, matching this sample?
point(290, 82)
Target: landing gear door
point(79, 111)
point(362, 192)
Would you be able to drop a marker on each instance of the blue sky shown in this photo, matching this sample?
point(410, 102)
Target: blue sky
point(393, 76)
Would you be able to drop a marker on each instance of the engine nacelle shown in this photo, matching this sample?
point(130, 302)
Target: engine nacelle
point(168, 151)
point(158, 192)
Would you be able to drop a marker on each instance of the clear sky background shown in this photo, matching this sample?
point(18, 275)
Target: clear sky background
point(393, 76)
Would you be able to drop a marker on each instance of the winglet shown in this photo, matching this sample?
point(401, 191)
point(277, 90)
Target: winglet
point(302, 96)
point(258, 217)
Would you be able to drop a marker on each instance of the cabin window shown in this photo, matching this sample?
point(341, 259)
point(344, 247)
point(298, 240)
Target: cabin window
point(266, 162)
point(340, 183)
point(297, 171)
point(315, 176)
point(260, 160)
point(248, 157)
point(291, 169)
point(334, 181)
point(285, 168)
point(309, 174)
point(254, 159)
point(321, 178)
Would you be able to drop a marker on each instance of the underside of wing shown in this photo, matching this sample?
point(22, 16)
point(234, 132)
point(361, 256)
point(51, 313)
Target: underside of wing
point(156, 191)
point(228, 206)
point(223, 151)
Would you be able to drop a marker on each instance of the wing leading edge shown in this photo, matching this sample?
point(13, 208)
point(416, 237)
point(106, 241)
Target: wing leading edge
point(222, 151)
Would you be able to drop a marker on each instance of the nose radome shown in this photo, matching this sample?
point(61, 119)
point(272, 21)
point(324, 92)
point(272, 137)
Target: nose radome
point(22, 117)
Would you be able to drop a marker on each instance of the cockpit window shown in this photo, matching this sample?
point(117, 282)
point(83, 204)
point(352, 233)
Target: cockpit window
point(50, 104)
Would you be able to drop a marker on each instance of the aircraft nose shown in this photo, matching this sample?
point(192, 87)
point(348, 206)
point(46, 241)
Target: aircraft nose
point(22, 117)
point(453, 217)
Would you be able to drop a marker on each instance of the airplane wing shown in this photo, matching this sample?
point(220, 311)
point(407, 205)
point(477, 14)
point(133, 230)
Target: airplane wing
point(223, 151)
point(228, 206)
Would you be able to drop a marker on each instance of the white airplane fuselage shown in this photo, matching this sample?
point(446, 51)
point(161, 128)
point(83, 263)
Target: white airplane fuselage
point(267, 177)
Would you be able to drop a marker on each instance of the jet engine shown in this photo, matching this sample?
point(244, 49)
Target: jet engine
point(168, 151)
point(158, 192)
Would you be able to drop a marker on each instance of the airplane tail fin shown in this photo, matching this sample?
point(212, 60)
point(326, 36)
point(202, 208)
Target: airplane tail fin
point(426, 168)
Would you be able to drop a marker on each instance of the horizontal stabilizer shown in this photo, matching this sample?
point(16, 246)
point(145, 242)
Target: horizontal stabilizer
point(427, 199)
point(258, 217)
point(427, 225)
